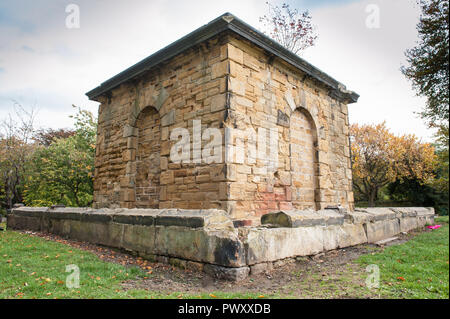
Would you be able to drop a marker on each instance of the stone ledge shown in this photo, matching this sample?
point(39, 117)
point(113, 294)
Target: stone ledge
point(207, 239)
point(293, 219)
point(379, 213)
point(303, 218)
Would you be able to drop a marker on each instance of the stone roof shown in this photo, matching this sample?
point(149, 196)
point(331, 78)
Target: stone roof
point(223, 23)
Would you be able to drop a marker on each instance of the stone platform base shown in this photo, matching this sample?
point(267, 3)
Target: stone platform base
point(207, 240)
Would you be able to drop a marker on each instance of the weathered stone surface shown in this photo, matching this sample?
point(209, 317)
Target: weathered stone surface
point(261, 268)
point(145, 217)
point(354, 234)
point(359, 217)
point(270, 244)
point(233, 274)
point(207, 219)
point(97, 216)
point(405, 211)
point(23, 222)
point(424, 211)
point(138, 238)
point(381, 229)
point(379, 213)
point(74, 213)
point(220, 247)
point(341, 236)
point(331, 217)
point(408, 223)
point(293, 218)
point(29, 211)
point(425, 216)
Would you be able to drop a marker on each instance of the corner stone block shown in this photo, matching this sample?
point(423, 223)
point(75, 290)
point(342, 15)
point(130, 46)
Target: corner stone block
point(382, 229)
point(341, 236)
point(408, 223)
point(225, 273)
point(271, 244)
point(379, 213)
point(292, 219)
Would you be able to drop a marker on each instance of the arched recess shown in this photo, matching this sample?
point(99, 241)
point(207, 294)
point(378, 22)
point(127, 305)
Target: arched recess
point(148, 167)
point(144, 166)
point(304, 159)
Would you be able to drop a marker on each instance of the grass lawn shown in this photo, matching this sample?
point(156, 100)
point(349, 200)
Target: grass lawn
point(416, 269)
point(33, 267)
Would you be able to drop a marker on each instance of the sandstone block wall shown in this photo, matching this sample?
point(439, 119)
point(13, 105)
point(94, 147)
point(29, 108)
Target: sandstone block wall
point(314, 168)
point(233, 86)
point(133, 167)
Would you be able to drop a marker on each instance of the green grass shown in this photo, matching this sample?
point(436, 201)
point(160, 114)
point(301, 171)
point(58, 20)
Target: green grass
point(418, 268)
point(32, 267)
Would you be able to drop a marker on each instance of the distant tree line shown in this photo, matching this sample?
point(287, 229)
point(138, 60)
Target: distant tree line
point(44, 167)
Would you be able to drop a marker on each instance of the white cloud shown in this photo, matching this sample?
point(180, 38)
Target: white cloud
point(54, 67)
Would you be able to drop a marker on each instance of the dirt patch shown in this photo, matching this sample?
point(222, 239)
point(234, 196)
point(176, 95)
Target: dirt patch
point(331, 274)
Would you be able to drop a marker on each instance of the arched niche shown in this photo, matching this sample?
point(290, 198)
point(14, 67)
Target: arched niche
point(304, 159)
point(143, 165)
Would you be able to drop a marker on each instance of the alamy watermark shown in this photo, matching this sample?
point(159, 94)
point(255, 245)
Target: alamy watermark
point(373, 17)
point(241, 146)
point(73, 16)
point(73, 279)
point(373, 279)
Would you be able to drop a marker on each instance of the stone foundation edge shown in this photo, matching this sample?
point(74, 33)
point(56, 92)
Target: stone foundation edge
point(206, 240)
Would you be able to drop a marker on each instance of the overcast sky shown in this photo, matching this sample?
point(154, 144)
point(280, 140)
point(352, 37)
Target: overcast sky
point(47, 65)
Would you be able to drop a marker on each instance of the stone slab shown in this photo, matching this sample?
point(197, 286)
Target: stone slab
point(382, 229)
point(331, 216)
point(292, 219)
point(379, 213)
point(270, 244)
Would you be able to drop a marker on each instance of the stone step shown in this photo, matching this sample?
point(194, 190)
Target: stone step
point(302, 218)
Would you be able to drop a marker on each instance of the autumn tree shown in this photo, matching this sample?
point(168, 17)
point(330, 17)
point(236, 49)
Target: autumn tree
point(46, 137)
point(16, 148)
point(379, 158)
point(62, 172)
point(428, 62)
point(289, 27)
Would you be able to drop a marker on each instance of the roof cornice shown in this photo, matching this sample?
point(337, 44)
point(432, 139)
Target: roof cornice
point(225, 22)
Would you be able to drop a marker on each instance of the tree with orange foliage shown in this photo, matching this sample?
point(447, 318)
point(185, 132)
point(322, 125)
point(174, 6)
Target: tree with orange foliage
point(379, 158)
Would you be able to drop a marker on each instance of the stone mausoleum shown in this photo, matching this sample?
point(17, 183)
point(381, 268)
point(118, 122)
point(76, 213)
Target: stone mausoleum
point(227, 76)
point(223, 153)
